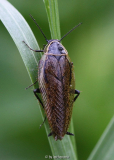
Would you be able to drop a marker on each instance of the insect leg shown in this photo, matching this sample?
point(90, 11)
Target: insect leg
point(68, 133)
point(31, 48)
point(50, 134)
point(31, 85)
point(38, 91)
point(78, 93)
point(43, 122)
point(35, 93)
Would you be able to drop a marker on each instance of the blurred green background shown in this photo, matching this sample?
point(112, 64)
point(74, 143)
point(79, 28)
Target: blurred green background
point(91, 48)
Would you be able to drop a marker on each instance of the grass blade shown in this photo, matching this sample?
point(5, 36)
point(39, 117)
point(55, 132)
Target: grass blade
point(53, 18)
point(19, 31)
point(67, 145)
point(104, 150)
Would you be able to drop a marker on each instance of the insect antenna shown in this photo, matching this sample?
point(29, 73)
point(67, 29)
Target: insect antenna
point(39, 27)
point(70, 31)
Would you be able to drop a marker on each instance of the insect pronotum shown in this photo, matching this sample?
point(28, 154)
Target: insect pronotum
point(56, 85)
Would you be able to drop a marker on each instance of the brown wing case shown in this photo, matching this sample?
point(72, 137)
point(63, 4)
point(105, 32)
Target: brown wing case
point(56, 83)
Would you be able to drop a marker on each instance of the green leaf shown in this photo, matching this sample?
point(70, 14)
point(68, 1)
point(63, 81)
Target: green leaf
point(53, 18)
point(20, 31)
point(104, 150)
point(67, 145)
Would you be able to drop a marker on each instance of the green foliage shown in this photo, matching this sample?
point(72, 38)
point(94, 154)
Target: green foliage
point(15, 23)
point(104, 150)
point(20, 31)
point(53, 17)
point(91, 49)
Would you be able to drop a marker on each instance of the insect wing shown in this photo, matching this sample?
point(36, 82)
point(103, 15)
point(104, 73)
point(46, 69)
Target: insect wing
point(69, 89)
point(56, 82)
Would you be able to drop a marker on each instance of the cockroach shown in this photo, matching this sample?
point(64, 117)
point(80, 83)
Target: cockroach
point(56, 85)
